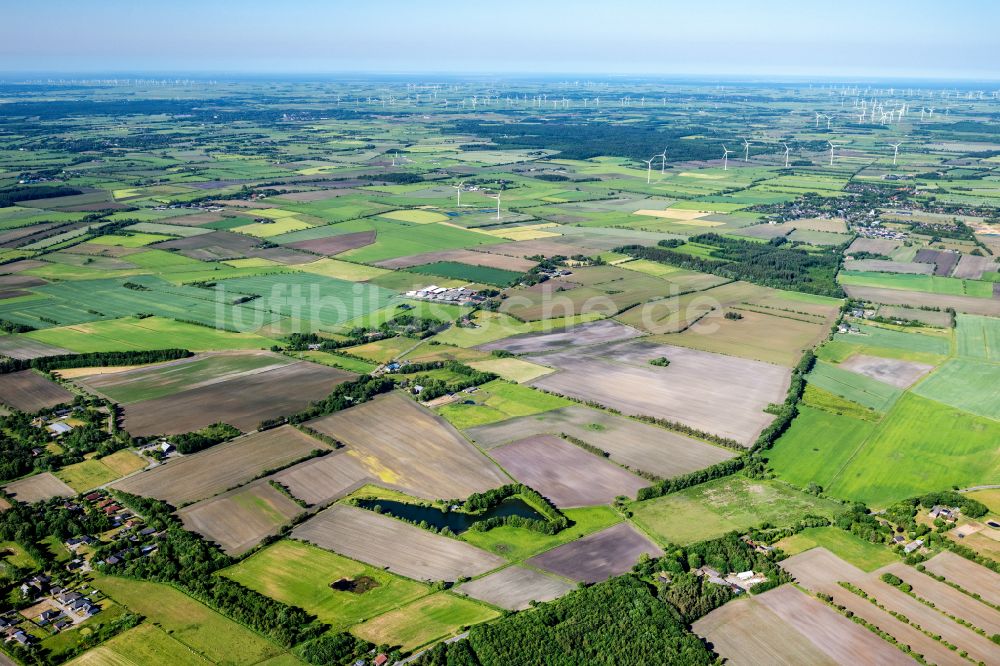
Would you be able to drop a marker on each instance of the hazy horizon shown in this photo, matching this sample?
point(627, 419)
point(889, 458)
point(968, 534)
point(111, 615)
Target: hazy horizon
point(766, 40)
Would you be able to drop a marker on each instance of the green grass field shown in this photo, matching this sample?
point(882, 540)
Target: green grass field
point(147, 645)
point(932, 284)
point(711, 509)
point(201, 629)
point(459, 271)
point(96, 472)
point(978, 337)
point(15, 554)
point(437, 616)
point(921, 445)
point(835, 404)
point(853, 386)
point(966, 383)
point(300, 574)
point(336, 361)
point(397, 239)
point(130, 333)
point(862, 554)
point(498, 401)
point(802, 455)
point(517, 544)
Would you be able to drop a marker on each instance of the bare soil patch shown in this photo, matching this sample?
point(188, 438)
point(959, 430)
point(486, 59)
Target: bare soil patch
point(29, 391)
point(514, 588)
point(901, 374)
point(943, 261)
point(873, 245)
point(595, 332)
point(473, 257)
point(971, 267)
point(24, 348)
point(564, 473)
point(394, 545)
point(206, 473)
point(599, 556)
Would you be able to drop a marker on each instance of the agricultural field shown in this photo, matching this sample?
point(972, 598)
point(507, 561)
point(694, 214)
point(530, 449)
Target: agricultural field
point(689, 390)
point(28, 391)
point(565, 474)
point(787, 626)
point(598, 556)
point(393, 545)
point(420, 622)
point(820, 571)
point(863, 554)
point(240, 519)
point(280, 390)
point(711, 509)
point(96, 472)
point(514, 588)
point(406, 446)
point(193, 625)
point(37, 488)
point(306, 576)
point(497, 401)
point(631, 443)
point(207, 473)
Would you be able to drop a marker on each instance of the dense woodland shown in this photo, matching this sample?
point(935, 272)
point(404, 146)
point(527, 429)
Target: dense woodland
point(769, 264)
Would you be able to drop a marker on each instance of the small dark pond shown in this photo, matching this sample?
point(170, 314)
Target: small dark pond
point(456, 521)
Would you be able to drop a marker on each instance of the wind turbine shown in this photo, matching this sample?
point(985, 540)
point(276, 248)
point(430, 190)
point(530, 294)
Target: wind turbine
point(458, 195)
point(663, 160)
point(725, 158)
point(895, 151)
point(498, 204)
point(786, 154)
point(831, 151)
point(818, 116)
point(649, 168)
point(746, 150)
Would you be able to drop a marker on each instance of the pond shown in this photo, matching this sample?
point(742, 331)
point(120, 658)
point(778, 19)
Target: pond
point(456, 521)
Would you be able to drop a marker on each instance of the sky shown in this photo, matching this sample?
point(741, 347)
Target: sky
point(873, 39)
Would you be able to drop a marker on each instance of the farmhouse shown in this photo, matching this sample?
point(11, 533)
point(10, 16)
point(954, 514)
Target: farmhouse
point(912, 546)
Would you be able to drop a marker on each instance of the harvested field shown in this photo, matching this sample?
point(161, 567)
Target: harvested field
point(325, 479)
point(638, 445)
point(238, 520)
point(473, 257)
point(929, 317)
point(564, 473)
point(512, 369)
point(885, 266)
point(971, 267)
point(901, 374)
point(973, 577)
point(242, 402)
point(947, 598)
point(590, 333)
point(200, 475)
point(942, 261)
point(162, 379)
point(394, 545)
point(21, 348)
point(37, 488)
point(406, 446)
point(692, 390)
point(546, 248)
point(514, 588)
point(968, 304)
point(785, 626)
point(423, 621)
point(821, 571)
point(873, 245)
point(599, 556)
point(222, 245)
point(29, 391)
point(335, 244)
